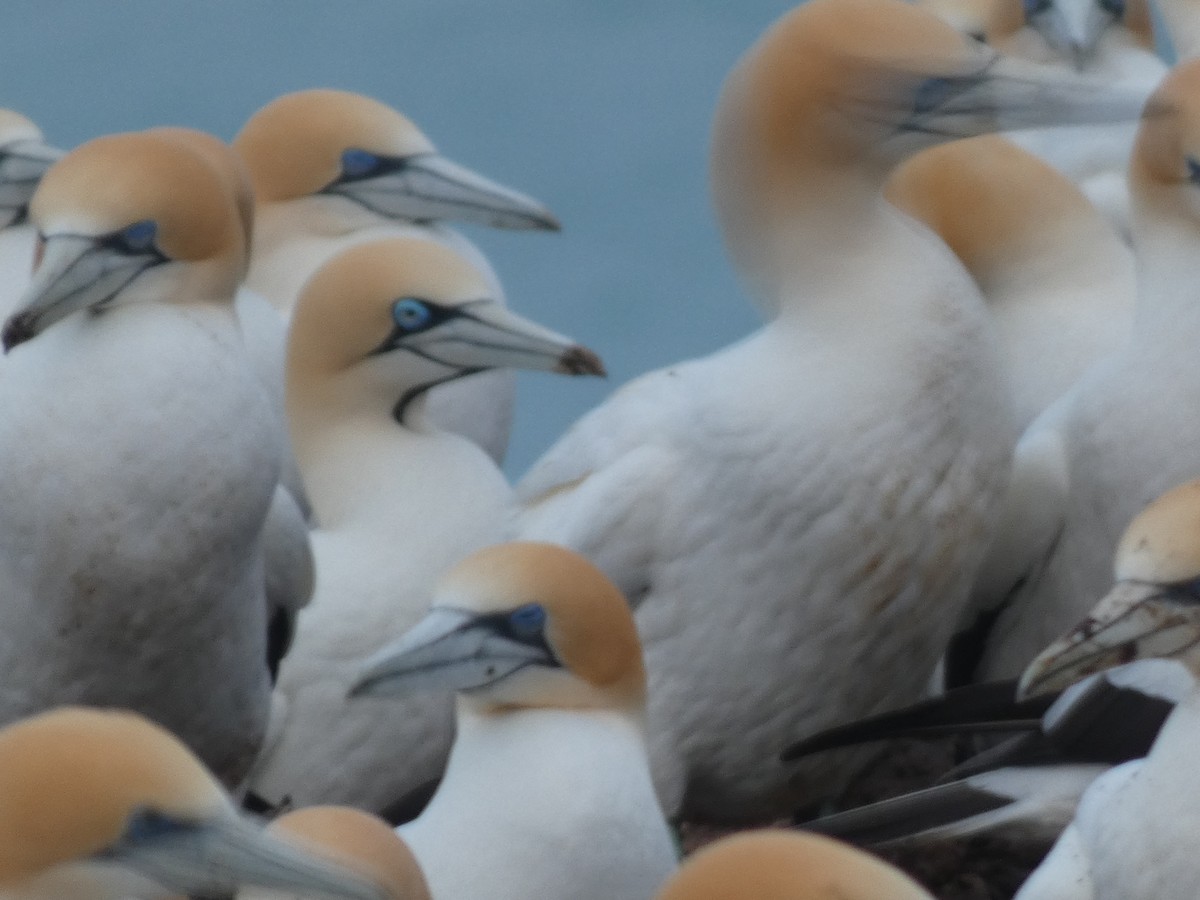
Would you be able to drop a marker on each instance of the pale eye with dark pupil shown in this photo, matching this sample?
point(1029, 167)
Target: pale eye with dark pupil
point(410, 314)
point(359, 163)
point(136, 238)
point(528, 620)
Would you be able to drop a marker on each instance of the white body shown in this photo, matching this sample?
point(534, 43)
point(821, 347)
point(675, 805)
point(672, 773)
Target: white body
point(293, 239)
point(396, 506)
point(139, 465)
point(796, 518)
point(545, 803)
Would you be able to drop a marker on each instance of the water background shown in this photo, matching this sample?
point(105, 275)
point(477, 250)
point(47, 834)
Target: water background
point(600, 109)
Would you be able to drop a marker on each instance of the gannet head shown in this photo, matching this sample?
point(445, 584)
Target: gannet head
point(839, 91)
point(24, 159)
point(1070, 30)
point(519, 625)
point(108, 799)
point(337, 144)
point(787, 865)
point(355, 840)
point(125, 218)
point(403, 314)
point(1164, 170)
point(994, 204)
point(1153, 609)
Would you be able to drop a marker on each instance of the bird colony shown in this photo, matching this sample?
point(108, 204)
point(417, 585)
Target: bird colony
point(274, 624)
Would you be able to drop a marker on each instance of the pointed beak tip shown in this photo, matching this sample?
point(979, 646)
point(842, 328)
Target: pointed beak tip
point(549, 222)
point(18, 329)
point(579, 360)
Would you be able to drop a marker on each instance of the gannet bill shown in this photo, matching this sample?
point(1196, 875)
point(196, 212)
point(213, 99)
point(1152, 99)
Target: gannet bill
point(1119, 437)
point(1133, 836)
point(100, 804)
point(356, 840)
point(787, 865)
point(140, 456)
point(1056, 277)
point(548, 791)
point(851, 509)
point(334, 168)
point(24, 159)
point(396, 501)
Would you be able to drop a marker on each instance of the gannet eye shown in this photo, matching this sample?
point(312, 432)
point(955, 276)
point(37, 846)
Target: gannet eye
point(136, 238)
point(1193, 170)
point(1115, 8)
point(1187, 591)
point(528, 620)
point(358, 163)
point(411, 314)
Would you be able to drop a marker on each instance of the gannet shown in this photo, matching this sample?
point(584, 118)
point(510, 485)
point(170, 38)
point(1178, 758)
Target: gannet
point(1110, 40)
point(1120, 436)
point(787, 865)
point(1057, 279)
point(1133, 836)
point(548, 791)
point(333, 168)
point(99, 804)
point(396, 500)
point(140, 456)
point(24, 158)
point(354, 839)
point(832, 479)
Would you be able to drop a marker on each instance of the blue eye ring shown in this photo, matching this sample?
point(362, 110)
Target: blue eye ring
point(528, 620)
point(139, 237)
point(411, 314)
point(358, 163)
point(1115, 8)
point(1036, 7)
point(1193, 167)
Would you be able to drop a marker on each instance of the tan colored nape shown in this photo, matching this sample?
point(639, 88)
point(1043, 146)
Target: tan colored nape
point(359, 841)
point(1170, 129)
point(988, 199)
point(787, 865)
point(70, 778)
point(1162, 543)
point(114, 181)
point(1005, 19)
point(293, 145)
point(589, 624)
point(228, 164)
point(344, 311)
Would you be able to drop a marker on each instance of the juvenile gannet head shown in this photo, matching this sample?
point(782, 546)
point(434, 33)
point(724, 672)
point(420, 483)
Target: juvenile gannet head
point(1164, 170)
point(24, 159)
point(340, 144)
point(356, 840)
point(126, 218)
point(1153, 609)
point(787, 865)
point(515, 626)
point(994, 204)
point(1069, 30)
point(110, 805)
point(390, 319)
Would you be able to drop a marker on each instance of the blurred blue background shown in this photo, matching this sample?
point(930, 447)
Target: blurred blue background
point(601, 110)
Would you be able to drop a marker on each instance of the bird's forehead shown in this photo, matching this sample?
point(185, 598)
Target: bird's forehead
point(1162, 544)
